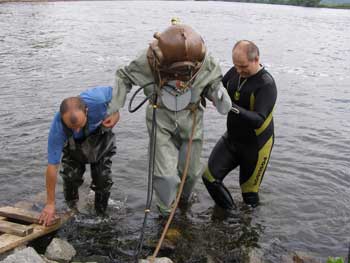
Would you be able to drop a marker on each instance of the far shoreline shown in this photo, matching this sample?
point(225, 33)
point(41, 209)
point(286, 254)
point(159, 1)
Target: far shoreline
point(331, 6)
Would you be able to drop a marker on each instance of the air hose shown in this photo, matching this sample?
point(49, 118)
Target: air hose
point(152, 146)
point(142, 102)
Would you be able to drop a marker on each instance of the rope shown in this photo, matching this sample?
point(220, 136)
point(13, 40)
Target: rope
point(178, 196)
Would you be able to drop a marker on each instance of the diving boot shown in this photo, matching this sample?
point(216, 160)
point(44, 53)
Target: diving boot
point(164, 211)
point(101, 203)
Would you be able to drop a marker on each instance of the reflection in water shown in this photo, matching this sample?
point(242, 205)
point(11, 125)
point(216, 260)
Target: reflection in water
point(49, 51)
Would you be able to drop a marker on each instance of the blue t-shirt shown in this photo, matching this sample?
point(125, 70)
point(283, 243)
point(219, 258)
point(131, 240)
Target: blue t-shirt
point(96, 100)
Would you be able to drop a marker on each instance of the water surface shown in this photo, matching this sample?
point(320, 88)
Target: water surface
point(49, 51)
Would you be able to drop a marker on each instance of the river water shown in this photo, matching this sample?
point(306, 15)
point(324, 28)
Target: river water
point(49, 51)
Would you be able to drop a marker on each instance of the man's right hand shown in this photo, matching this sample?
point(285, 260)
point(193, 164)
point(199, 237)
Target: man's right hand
point(111, 120)
point(47, 215)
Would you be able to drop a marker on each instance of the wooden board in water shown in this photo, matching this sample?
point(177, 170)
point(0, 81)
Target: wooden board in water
point(11, 241)
point(15, 228)
point(22, 214)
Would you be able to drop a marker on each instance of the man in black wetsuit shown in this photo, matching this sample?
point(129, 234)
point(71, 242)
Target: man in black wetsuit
point(249, 137)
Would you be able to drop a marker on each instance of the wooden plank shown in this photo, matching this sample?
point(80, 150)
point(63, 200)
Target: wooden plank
point(21, 214)
point(8, 241)
point(16, 229)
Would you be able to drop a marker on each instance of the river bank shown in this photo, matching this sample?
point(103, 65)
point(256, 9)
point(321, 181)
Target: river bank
point(24, 1)
point(340, 6)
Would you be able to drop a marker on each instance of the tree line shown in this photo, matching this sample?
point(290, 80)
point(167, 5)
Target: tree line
point(307, 3)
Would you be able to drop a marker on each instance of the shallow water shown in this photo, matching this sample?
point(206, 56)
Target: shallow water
point(49, 51)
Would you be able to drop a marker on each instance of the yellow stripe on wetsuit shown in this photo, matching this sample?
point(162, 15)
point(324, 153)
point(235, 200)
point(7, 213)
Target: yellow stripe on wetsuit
point(207, 174)
point(252, 185)
point(266, 122)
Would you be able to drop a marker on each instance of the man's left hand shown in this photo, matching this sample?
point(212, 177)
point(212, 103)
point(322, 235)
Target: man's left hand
point(47, 215)
point(111, 120)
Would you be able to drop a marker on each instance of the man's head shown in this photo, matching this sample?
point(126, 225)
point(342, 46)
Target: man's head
point(245, 57)
point(73, 113)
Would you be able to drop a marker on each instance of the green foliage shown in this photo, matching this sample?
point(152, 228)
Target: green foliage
point(307, 3)
point(335, 260)
point(340, 6)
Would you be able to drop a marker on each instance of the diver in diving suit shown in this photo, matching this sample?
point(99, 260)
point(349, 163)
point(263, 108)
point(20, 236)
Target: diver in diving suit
point(178, 69)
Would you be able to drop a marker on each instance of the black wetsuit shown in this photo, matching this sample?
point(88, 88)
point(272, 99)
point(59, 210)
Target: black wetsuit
point(249, 137)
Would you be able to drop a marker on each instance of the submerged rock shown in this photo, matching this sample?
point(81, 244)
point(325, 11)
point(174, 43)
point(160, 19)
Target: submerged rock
point(173, 235)
point(157, 260)
point(255, 256)
point(167, 245)
point(304, 257)
point(60, 250)
point(276, 252)
point(27, 255)
point(48, 260)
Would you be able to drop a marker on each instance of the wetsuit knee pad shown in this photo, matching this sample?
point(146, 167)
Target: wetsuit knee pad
point(251, 199)
point(219, 193)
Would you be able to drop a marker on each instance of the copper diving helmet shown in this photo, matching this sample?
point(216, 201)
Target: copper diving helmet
point(177, 53)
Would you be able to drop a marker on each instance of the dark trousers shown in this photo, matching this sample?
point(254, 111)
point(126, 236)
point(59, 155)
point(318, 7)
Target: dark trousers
point(97, 150)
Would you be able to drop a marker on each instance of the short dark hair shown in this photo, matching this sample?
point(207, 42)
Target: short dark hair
point(72, 103)
point(252, 49)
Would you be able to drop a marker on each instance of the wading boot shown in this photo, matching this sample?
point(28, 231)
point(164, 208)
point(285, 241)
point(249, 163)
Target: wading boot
point(71, 195)
point(251, 199)
point(101, 203)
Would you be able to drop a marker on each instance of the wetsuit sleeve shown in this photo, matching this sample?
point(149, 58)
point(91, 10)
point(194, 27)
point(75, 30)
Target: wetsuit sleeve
point(264, 101)
point(137, 73)
point(227, 77)
point(56, 141)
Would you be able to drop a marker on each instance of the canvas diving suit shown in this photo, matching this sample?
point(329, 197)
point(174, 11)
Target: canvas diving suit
point(173, 125)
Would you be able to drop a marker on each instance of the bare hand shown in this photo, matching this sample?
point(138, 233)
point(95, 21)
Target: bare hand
point(47, 215)
point(111, 120)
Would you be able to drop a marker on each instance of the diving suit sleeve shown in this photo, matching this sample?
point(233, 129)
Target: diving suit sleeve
point(221, 99)
point(137, 73)
point(215, 91)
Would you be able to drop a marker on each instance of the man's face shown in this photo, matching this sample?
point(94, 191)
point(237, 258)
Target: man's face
point(244, 67)
point(75, 120)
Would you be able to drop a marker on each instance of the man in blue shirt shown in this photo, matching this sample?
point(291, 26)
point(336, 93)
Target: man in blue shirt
point(78, 131)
